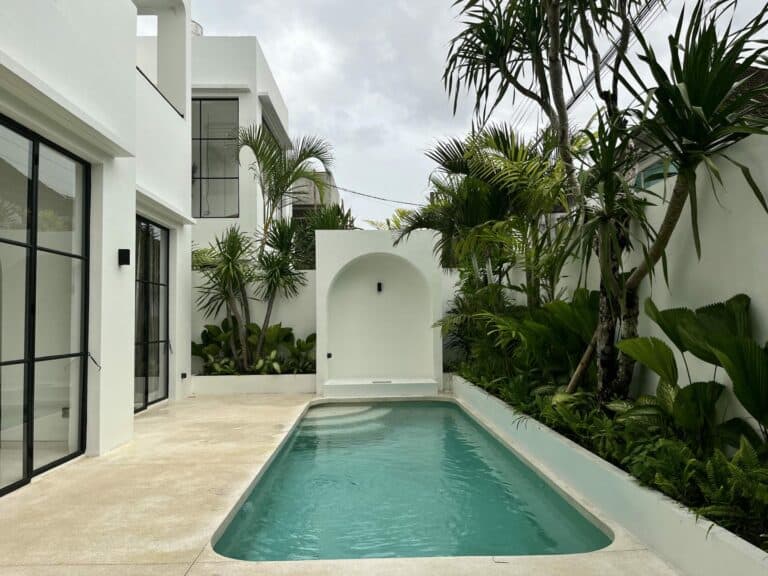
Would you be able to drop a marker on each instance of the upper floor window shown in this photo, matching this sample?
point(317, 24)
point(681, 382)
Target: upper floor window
point(215, 169)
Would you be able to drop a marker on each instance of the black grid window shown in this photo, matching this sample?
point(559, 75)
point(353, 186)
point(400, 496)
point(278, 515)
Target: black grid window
point(215, 167)
point(44, 210)
point(152, 339)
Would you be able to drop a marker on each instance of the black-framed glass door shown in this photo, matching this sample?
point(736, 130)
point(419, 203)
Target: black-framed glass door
point(44, 208)
point(152, 340)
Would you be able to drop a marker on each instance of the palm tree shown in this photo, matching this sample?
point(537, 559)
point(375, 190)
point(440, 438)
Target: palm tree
point(227, 270)
point(323, 217)
point(698, 107)
point(277, 273)
point(279, 171)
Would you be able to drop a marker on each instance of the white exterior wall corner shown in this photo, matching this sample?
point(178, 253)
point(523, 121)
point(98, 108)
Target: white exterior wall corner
point(68, 70)
point(734, 235)
point(382, 334)
point(164, 166)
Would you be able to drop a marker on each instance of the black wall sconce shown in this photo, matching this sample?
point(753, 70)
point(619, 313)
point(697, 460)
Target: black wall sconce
point(379, 287)
point(123, 257)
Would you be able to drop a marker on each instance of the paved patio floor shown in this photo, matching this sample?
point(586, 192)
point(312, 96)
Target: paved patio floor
point(151, 507)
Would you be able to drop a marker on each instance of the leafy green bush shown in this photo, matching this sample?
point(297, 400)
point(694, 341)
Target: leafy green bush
point(671, 441)
point(282, 352)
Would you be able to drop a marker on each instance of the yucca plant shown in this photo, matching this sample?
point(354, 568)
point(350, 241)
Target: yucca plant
point(276, 271)
point(699, 106)
point(227, 269)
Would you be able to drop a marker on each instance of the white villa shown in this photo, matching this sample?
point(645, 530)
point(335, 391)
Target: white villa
point(118, 457)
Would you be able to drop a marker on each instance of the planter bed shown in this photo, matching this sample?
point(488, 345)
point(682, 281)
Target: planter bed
point(693, 545)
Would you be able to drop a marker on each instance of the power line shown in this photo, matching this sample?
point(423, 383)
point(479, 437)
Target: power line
point(371, 196)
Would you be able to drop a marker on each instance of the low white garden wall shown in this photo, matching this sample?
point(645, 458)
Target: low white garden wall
point(695, 547)
point(253, 384)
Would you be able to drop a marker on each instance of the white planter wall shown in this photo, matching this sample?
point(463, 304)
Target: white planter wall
point(253, 384)
point(697, 548)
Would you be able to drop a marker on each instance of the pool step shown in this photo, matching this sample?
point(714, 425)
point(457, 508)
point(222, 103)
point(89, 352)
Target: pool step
point(357, 388)
point(321, 417)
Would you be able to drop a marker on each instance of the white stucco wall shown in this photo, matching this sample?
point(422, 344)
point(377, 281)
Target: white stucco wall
point(68, 72)
point(371, 334)
point(45, 43)
point(734, 236)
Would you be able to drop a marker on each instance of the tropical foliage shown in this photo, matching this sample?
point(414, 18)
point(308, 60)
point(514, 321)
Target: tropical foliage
point(526, 222)
point(237, 267)
point(283, 353)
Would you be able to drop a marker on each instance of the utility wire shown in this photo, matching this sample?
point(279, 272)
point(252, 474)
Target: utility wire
point(371, 196)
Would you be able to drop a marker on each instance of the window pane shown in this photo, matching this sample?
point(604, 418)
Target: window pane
point(218, 119)
point(158, 371)
point(60, 202)
point(157, 252)
point(141, 318)
point(139, 376)
point(196, 159)
point(219, 199)
point(195, 118)
point(158, 313)
point(59, 305)
point(219, 159)
point(13, 297)
point(195, 198)
point(57, 409)
point(11, 424)
point(142, 231)
point(15, 163)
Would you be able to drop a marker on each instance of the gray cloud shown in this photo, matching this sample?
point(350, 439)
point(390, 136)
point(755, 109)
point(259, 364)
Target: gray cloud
point(366, 74)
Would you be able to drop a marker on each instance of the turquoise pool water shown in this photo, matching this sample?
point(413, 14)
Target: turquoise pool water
point(401, 480)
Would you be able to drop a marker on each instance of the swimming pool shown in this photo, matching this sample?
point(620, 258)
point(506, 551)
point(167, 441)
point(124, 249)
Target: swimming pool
point(401, 479)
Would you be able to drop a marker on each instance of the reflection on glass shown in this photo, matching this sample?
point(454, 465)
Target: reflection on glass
point(60, 202)
point(157, 371)
point(151, 361)
point(56, 410)
point(219, 198)
point(11, 424)
point(15, 166)
point(139, 377)
point(219, 159)
point(218, 119)
point(13, 270)
point(59, 305)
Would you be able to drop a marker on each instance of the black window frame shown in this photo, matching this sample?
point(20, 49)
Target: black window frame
point(197, 212)
point(30, 360)
point(145, 342)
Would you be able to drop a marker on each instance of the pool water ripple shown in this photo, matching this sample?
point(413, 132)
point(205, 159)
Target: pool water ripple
point(401, 479)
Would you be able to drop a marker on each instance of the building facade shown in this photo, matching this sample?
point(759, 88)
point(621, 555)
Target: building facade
point(95, 224)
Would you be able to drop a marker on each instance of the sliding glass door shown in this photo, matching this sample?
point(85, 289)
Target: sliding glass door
point(43, 304)
point(152, 341)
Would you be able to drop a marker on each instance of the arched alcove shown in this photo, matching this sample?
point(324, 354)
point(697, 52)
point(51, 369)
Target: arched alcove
point(380, 320)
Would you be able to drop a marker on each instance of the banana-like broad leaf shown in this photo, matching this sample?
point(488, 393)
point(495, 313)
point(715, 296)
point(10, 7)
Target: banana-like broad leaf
point(746, 363)
point(732, 315)
point(653, 353)
point(694, 408)
point(669, 321)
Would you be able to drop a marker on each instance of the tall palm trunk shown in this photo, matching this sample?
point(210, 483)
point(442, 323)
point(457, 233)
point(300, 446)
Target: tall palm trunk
point(241, 334)
point(626, 365)
point(685, 185)
point(264, 326)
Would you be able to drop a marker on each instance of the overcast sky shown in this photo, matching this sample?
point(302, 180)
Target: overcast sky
point(366, 75)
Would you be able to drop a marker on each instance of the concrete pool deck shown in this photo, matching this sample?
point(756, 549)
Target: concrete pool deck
point(152, 506)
